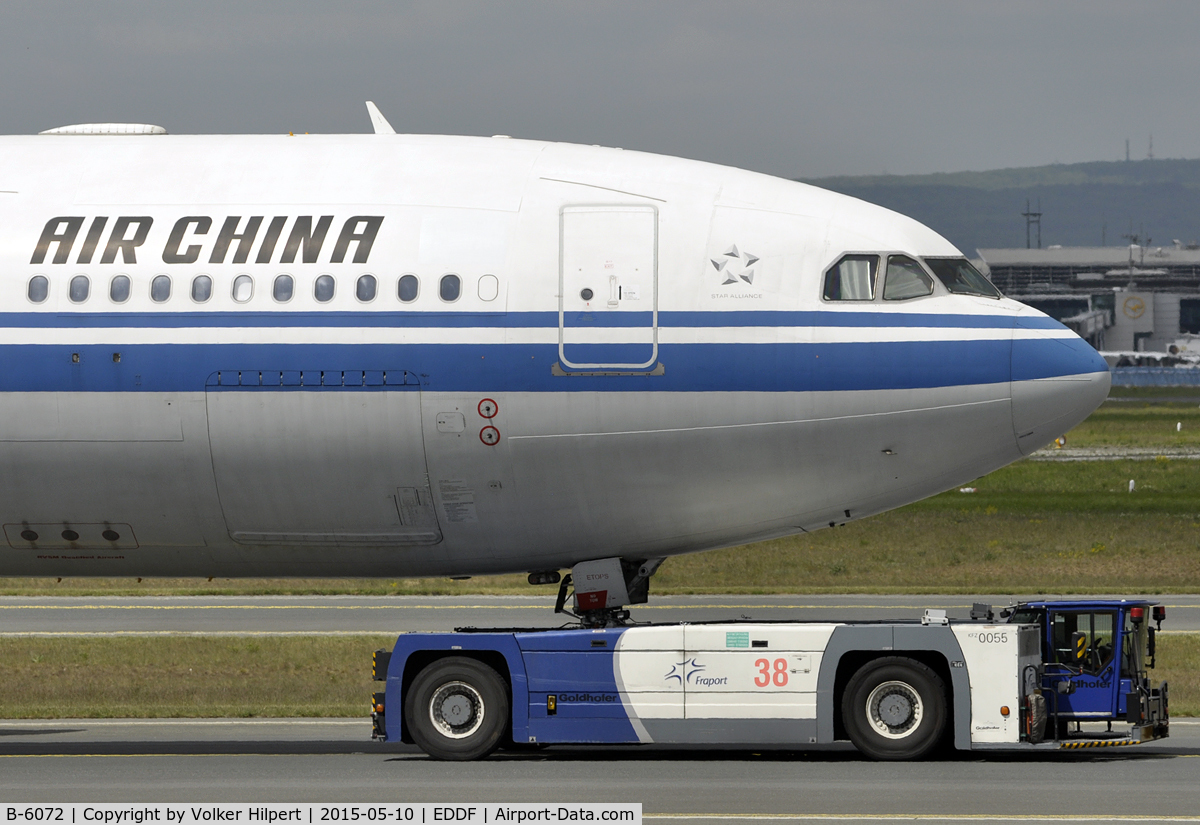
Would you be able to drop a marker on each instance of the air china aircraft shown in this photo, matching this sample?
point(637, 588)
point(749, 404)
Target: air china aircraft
point(407, 355)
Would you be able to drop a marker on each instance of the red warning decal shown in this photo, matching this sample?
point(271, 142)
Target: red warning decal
point(489, 436)
point(488, 408)
point(592, 601)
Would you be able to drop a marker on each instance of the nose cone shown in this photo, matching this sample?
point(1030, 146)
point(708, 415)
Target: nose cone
point(1057, 380)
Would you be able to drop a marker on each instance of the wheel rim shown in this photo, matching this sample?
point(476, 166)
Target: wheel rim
point(895, 710)
point(456, 710)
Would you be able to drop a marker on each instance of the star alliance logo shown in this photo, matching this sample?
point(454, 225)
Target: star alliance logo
point(735, 266)
point(684, 671)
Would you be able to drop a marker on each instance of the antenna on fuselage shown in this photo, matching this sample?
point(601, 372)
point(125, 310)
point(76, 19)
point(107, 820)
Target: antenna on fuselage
point(378, 121)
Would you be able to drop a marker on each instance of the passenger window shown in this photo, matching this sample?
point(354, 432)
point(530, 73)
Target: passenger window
point(364, 290)
point(283, 288)
point(407, 288)
point(959, 277)
point(39, 288)
point(201, 288)
point(450, 288)
point(243, 288)
point(118, 289)
point(852, 279)
point(905, 279)
point(323, 288)
point(79, 289)
point(160, 288)
point(489, 288)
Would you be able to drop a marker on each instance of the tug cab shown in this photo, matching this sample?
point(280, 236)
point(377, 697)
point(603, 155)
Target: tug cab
point(1095, 657)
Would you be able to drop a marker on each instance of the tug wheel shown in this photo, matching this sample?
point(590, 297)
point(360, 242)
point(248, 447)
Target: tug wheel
point(894, 708)
point(457, 709)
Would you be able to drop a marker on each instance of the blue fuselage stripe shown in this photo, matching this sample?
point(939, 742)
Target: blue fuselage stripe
point(527, 367)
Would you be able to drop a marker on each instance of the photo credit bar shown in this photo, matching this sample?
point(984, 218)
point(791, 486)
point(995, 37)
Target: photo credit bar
point(250, 813)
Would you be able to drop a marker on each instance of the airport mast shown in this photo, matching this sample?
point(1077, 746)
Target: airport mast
point(1033, 218)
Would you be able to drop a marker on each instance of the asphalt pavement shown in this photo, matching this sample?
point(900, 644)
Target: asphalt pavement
point(296, 760)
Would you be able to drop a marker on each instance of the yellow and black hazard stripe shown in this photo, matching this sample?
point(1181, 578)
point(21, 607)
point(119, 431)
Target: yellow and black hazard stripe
point(1098, 743)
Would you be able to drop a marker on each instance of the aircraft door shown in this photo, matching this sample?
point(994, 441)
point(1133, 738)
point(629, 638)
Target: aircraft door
point(608, 288)
point(321, 457)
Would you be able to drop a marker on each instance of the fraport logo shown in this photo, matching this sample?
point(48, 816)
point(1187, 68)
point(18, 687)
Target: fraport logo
point(683, 671)
point(691, 672)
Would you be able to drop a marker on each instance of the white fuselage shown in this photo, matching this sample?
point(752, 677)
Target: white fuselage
point(638, 360)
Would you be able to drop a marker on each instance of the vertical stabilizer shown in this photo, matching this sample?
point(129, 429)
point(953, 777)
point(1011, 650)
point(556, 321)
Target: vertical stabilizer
point(378, 121)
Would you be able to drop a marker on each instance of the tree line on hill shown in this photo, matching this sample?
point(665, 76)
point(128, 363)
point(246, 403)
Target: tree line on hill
point(1082, 204)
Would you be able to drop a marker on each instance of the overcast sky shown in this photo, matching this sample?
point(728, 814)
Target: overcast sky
point(789, 88)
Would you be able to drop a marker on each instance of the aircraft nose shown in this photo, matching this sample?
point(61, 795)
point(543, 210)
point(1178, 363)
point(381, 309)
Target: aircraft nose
point(1058, 380)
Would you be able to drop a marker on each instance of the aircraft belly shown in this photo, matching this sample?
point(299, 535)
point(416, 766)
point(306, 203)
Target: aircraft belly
point(680, 472)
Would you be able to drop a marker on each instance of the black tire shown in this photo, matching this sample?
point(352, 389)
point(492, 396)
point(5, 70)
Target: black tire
point(457, 709)
point(894, 708)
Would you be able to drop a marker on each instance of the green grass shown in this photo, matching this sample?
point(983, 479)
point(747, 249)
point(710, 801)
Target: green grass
point(135, 677)
point(977, 550)
point(292, 676)
point(1033, 527)
point(1179, 664)
point(1134, 423)
point(1122, 393)
point(1064, 487)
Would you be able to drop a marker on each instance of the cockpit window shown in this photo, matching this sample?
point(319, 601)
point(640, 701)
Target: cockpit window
point(852, 279)
point(961, 278)
point(905, 279)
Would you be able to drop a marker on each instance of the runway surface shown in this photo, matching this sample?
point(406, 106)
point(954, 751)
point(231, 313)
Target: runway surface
point(334, 761)
point(395, 614)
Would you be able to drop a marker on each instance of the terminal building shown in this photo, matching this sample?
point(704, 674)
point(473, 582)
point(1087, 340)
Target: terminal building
point(1122, 299)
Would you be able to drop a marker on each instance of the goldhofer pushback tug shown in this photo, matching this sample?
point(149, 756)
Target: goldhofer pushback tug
point(896, 690)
